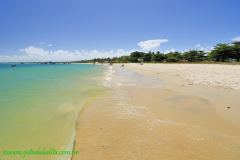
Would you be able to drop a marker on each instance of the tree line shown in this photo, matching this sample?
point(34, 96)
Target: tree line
point(222, 52)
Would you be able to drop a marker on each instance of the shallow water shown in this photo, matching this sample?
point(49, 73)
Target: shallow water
point(39, 104)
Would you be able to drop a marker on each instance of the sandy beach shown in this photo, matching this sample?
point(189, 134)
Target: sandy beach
point(163, 111)
point(227, 76)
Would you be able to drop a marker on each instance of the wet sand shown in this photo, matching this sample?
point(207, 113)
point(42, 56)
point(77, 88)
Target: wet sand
point(147, 115)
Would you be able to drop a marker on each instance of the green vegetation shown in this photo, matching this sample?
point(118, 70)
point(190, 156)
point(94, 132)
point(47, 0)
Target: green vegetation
point(222, 52)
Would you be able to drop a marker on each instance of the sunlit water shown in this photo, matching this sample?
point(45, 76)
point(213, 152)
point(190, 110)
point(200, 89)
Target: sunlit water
point(39, 104)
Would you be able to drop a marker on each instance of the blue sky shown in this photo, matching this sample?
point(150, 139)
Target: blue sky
point(87, 28)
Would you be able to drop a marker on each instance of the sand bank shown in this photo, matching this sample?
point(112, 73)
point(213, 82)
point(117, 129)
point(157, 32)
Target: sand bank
point(149, 115)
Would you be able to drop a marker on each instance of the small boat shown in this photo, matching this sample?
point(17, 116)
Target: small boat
point(13, 65)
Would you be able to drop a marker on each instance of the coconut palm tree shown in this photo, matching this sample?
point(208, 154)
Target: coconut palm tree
point(194, 56)
point(236, 50)
point(221, 51)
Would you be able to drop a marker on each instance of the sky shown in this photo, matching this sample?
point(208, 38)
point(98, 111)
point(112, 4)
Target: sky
point(56, 30)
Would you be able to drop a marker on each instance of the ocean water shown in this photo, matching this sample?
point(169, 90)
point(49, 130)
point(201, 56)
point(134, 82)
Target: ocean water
point(39, 104)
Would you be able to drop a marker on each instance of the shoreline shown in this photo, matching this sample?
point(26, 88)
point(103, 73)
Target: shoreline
point(86, 104)
point(144, 108)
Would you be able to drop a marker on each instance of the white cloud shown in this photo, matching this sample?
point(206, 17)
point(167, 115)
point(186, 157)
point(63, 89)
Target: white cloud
point(236, 39)
point(197, 45)
point(202, 48)
point(152, 44)
point(33, 54)
point(170, 50)
point(49, 45)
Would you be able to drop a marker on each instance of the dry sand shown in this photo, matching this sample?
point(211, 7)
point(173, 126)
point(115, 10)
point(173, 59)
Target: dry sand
point(158, 113)
point(207, 74)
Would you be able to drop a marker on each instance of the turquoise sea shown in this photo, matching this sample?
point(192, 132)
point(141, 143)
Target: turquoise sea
point(39, 104)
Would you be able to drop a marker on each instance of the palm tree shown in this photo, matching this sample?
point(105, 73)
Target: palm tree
point(173, 57)
point(236, 50)
point(221, 51)
point(194, 55)
point(159, 57)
